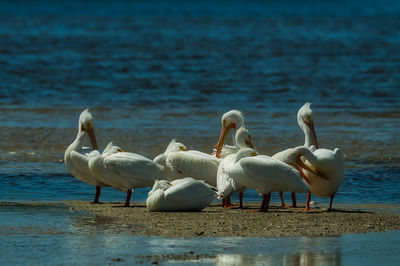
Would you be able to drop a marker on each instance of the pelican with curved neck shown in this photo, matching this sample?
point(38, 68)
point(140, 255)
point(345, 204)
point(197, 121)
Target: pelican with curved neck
point(233, 119)
point(305, 119)
point(75, 158)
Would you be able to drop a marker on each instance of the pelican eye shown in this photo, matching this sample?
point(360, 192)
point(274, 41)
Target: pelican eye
point(253, 154)
point(120, 150)
point(182, 148)
point(170, 184)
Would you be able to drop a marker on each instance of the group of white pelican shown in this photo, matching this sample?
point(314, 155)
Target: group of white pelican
point(198, 178)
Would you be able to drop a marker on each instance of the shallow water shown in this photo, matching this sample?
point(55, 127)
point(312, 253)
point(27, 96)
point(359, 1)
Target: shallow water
point(155, 70)
point(36, 233)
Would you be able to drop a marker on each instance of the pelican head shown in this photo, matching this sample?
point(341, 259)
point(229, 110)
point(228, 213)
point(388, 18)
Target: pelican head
point(175, 146)
point(243, 139)
point(245, 152)
point(86, 125)
point(230, 120)
point(305, 118)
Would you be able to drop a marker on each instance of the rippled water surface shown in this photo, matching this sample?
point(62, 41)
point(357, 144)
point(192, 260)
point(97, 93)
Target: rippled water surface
point(154, 70)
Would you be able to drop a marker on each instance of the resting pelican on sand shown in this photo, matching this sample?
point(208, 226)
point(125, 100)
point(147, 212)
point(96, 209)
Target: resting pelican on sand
point(267, 174)
point(125, 171)
point(226, 185)
point(327, 172)
point(76, 156)
point(233, 119)
point(305, 119)
point(185, 194)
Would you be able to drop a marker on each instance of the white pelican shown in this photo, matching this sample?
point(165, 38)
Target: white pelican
point(226, 185)
point(185, 194)
point(267, 174)
point(231, 120)
point(179, 163)
point(327, 172)
point(305, 119)
point(125, 171)
point(76, 156)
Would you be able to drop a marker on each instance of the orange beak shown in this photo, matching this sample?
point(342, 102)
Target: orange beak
point(313, 135)
point(224, 132)
point(92, 137)
point(311, 169)
point(249, 143)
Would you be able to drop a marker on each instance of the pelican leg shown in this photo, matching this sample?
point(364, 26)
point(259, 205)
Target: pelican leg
point(223, 202)
point(228, 202)
point(294, 205)
point(307, 208)
point(96, 197)
point(241, 200)
point(330, 203)
point(265, 202)
point(128, 197)
point(282, 201)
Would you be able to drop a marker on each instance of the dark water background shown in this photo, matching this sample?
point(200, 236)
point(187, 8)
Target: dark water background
point(154, 70)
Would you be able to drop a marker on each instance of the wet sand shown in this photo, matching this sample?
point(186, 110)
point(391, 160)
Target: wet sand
point(218, 221)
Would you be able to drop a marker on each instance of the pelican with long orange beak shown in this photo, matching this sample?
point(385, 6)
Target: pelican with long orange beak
point(322, 169)
point(76, 156)
point(230, 120)
point(305, 119)
point(241, 139)
point(267, 174)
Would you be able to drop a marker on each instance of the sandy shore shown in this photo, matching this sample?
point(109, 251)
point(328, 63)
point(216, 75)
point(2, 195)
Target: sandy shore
point(218, 221)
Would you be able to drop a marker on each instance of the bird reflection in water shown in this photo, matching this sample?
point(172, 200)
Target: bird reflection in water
point(302, 258)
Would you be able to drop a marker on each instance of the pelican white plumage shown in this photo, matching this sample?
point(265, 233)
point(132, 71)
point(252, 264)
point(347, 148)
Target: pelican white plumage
point(179, 163)
point(266, 174)
point(226, 185)
point(187, 194)
point(76, 156)
point(325, 172)
point(232, 119)
point(125, 171)
point(305, 119)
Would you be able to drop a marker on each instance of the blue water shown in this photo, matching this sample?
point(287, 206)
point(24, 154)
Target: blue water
point(155, 70)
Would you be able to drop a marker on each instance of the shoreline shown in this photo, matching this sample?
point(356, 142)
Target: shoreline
point(215, 221)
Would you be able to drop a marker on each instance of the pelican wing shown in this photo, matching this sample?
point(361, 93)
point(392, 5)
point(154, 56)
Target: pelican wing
point(195, 164)
point(81, 162)
point(131, 165)
point(160, 159)
point(269, 172)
